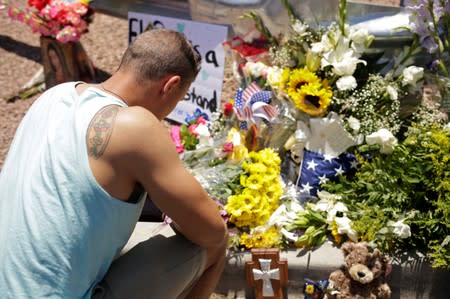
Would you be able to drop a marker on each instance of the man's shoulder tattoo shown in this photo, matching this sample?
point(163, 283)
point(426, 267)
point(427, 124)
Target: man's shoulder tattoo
point(100, 131)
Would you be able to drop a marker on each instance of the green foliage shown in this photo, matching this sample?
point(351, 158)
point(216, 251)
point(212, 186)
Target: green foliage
point(188, 139)
point(412, 183)
point(313, 225)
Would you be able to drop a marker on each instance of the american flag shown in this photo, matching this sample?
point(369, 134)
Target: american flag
point(246, 98)
point(317, 169)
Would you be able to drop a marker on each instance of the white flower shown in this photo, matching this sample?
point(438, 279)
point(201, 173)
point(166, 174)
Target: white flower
point(343, 59)
point(289, 235)
point(384, 138)
point(447, 126)
point(300, 27)
point(346, 83)
point(360, 38)
point(327, 196)
point(326, 43)
point(256, 69)
point(204, 136)
point(286, 213)
point(339, 207)
point(412, 74)
point(344, 227)
point(323, 205)
point(401, 230)
point(392, 92)
point(354, 124)
point(274, 75)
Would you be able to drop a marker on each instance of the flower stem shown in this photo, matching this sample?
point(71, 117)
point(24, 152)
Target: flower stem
point(342, 15)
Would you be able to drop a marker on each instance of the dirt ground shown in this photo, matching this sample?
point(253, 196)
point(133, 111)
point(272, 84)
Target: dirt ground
point(20, 60)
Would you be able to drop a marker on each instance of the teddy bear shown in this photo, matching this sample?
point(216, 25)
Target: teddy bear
point(363, 274)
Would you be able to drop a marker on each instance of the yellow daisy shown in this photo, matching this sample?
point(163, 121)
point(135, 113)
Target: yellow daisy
point(254, 181)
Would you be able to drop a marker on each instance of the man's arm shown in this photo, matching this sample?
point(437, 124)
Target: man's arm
point(150, 158)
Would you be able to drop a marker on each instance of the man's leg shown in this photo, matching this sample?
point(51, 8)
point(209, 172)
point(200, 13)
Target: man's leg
point(164, 266)
point(214, 267)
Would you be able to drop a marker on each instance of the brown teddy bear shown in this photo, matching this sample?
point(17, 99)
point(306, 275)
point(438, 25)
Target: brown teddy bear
point(362, 276)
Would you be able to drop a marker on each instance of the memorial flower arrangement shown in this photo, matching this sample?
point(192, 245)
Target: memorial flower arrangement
point(63, 20)
point(329, 142)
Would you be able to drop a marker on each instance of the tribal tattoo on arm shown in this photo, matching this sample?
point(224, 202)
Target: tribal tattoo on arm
point(100, 130)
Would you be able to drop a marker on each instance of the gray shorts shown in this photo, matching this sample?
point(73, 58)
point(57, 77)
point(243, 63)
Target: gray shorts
point(164, 266)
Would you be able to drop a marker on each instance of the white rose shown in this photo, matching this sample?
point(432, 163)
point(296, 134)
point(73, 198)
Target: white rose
point(354, 124)
point(346, 83)
point(401, 230)
point(392, 92)
point(447, 126)
point(384, 138)
point(256, 69)
point(412, 74)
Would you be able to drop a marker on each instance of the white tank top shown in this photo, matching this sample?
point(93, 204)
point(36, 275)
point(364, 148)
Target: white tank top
point(59, 229)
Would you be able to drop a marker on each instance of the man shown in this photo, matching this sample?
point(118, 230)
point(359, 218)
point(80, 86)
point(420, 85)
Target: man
point(71, 188)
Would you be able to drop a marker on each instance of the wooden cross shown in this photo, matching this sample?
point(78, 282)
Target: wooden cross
point(266, 273)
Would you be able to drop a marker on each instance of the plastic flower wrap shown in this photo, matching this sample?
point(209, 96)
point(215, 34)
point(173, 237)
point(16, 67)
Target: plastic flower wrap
point(63, 20)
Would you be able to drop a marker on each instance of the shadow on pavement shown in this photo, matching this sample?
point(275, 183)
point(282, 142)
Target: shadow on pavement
point(20, 48)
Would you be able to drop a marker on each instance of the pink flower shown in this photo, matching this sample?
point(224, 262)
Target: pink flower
point(175, 135)
point(60, 19)
point(68, 34)
point(201, 120)
point(192, 128)
point(228, 147)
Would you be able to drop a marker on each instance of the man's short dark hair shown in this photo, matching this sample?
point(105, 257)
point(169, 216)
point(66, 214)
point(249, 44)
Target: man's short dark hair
point(157, 53)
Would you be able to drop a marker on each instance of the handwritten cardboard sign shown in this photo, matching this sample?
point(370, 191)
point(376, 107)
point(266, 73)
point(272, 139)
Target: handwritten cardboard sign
point(205, 91)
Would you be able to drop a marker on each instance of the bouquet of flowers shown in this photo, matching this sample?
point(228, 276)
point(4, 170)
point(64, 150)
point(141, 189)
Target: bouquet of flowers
point(64, 20)
point(330, 141)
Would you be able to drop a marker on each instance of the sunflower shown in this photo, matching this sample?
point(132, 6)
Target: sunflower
point(299, 78)
point(313, 99)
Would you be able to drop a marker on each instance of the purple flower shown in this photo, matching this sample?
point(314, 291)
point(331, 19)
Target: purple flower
point(438, 10)
point(429, 44)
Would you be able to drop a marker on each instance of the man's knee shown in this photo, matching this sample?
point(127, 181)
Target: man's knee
point(216, 255)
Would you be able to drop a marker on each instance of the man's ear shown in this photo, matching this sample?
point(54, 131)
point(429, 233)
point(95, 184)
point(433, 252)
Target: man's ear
point(171, 83)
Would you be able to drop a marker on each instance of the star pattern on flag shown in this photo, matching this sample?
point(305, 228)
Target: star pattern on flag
point(339, 171)
point(312, 165)
point(306, 188)
point(323, 179)
point(318, 169)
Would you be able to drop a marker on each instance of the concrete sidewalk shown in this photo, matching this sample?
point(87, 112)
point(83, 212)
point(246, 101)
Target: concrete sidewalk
point(410, 279)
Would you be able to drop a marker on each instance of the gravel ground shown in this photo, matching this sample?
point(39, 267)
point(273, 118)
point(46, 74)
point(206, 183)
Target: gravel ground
point(20, 61)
